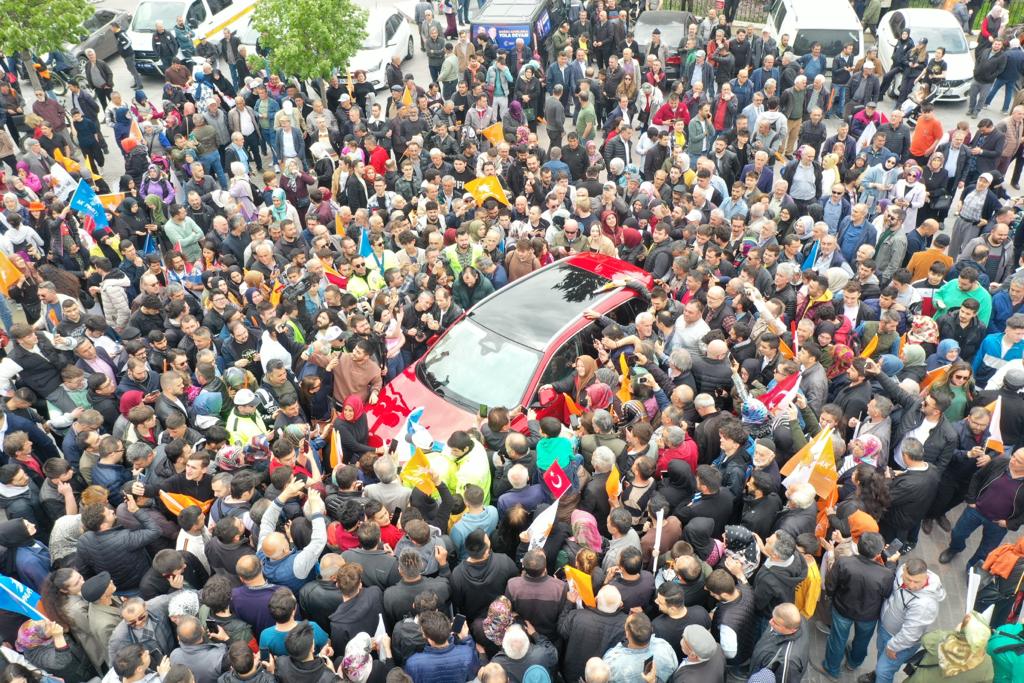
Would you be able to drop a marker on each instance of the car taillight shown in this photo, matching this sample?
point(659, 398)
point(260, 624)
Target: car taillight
point(675, 59)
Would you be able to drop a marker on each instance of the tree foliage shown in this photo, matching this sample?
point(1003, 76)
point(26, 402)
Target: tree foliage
point(310, 38)
point(41, 25)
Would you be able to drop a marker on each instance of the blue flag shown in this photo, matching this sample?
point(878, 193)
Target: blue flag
point(812, 256)
point(85, 200)
point(19, 598)
point(149, 246)
point(364, 244)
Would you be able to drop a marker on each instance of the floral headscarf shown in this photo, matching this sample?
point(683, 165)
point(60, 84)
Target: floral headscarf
point(872, 446)
point(357, 665)
point(31, 635)
point(585, 531)
point(499, 618)
point(842, 359)
point(923, 330)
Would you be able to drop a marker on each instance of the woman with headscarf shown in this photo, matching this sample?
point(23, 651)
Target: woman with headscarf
point(842, 359)
point(593, 153)
point(280, 209)
point(913, 363)
point(958, 387)
point(353, 430)
point(947, 353)
point(699, 533)
point(923, 331)
point(44, 644)
point(26, 290)
point(511, 121)
point(957, 656)
point(990, 27)
point(130, 221)
point(156, 183)
point(361, 665)
point(599, 396)
point(528, 91)
point(901, 51)
point(240, 190)
point(490, 631)
point(576, 383)
point(830, 174)
point(935, 178)
point(22, 555)
point(585, 535)
point(877, 183)
point(610, 227)
point(632, 249)
point(910, 195)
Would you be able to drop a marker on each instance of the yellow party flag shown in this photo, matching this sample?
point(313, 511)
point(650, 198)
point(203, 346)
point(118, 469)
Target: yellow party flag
point(625, 392)
point(407, 98)
point(70, 165)
point(995, 430)
point(571, 406)
point(134, 131)
point(869, 350)
point(9, 274)
point(494, 133)
point(334, 455)
point(785, 350)
point(111, 201)
point(176, 502)
point(88, 166)
point(613, 487)
point(815, 463)
point(934, 376)
point(416, 473)
point(487, 187)
point(582, 583)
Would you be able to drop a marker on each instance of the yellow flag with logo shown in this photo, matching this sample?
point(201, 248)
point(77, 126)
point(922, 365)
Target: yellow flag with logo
point(416, 473)
point(494, 133)
point(487, 187)
point(625, 392)
point(582, 583)
point(9, 274)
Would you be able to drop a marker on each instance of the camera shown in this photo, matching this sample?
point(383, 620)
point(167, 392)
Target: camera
point(297, 289)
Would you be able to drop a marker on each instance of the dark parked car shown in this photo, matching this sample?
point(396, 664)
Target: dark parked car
point(98, 35)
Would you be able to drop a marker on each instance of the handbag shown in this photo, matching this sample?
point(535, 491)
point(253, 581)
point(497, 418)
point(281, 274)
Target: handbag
point(914, 663)
point(942, 203)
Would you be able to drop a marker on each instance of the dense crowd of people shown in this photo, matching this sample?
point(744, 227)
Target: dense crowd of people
point(191, 488)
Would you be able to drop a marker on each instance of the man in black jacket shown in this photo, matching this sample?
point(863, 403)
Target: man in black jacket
point(775, 583)
point(910, 494)
point(922, 419)
point(995, 502)
point(968, 456)
point(481, 577)
point(104, 547)
point(988, 64)
point(714, 501)
point(859, 586)
point(359, 608)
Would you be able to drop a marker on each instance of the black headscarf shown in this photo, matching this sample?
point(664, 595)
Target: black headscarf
point(699, 533)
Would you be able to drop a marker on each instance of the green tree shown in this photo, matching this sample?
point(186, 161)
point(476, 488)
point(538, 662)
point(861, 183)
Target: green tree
point(310, 38)
point(37, 26)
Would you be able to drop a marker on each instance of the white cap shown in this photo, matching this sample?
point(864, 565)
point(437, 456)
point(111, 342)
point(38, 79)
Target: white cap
point(694, 216)
point(245, 397)
point(332, 333)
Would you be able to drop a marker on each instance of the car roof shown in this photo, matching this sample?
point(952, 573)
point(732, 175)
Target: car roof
point(831, 11)
point(924, 16)
point(535, 309)
point(661, 17)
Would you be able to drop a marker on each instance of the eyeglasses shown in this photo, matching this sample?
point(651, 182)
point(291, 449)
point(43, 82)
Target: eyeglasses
point(138, 621)
point(963, 377)
point(837, 194)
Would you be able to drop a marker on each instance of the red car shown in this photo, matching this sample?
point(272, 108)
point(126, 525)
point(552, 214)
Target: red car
point(527, 334)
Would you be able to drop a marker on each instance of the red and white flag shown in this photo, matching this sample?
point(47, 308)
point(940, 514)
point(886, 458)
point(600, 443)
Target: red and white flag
point(557, 480)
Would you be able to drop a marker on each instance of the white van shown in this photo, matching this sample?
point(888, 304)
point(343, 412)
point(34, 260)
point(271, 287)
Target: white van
point(833, 23)
point(207, 18)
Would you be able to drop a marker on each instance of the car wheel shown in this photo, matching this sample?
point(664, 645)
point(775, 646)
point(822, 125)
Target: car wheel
point(409, 49)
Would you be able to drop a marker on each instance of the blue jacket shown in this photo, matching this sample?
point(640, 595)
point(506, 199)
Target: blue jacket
point(33, 564)
point(456, 662)
point(111, 477)
point(992, 346)
point(813, 67)
point(42, 446)
point(850, 241)
point(1002, 309)
point(1014, 65)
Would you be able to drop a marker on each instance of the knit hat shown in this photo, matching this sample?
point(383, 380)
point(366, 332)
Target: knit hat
point(753, 412)
point(1014, 380)
point(700, 641)
point(94, 588)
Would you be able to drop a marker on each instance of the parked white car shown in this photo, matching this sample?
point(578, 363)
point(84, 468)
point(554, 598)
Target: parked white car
point(941, 29)
point(833, 23)
point(387, 35)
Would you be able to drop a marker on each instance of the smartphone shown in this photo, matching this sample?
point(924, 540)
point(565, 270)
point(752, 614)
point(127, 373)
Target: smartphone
point(648, 665)
point(458, 623)
point(574, 421)
point(212, 626)
point(395, 516)
point(482, 410)
point(892, 548)
point(393, 446)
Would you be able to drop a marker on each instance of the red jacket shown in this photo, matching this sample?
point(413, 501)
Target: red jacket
point(666, 114)
point(687, 452)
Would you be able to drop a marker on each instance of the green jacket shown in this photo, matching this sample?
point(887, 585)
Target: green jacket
point(1009, 665)
point(186, 234)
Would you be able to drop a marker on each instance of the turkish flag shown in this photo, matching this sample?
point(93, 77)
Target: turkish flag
point(557, 480)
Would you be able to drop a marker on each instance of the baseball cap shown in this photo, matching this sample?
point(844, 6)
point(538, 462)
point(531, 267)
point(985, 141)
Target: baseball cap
point(245, 397)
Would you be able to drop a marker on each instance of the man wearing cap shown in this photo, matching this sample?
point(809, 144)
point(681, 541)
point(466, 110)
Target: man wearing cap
point(104, 613)
point(703, 660)
point(863, 90)
point(244, 422)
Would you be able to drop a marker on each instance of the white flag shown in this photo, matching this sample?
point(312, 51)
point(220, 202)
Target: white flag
point(541, 526)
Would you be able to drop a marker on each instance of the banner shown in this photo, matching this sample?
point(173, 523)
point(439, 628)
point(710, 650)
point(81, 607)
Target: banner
point(18, 598)
point(85, 201)
point(64, 184)
point(176, 502)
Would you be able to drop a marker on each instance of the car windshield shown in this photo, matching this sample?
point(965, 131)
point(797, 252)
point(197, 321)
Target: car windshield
point(672, 34)
point(374, 39)
point(951, 38)
point(148, 13)
point(832, 40)
point(454, 368)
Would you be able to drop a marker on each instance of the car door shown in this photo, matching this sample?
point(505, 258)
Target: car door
point(391, 36)
point(196, 14)
point(105, 43)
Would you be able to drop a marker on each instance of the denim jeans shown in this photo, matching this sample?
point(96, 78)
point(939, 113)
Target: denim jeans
point(5, 313)
point(835, 647)
point(886, 668)
point(463, 11)
point(212, 165)
point(991, 535)
point(838, 101)
point(269, 138)
point(1011, 88)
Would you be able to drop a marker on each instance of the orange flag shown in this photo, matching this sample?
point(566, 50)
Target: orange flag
point(487, 187)
point(582, 584)
point(571, 406)
point(134, 130)
point(613, 487)
point(903, 342)
point(869, 350)
point(821, 526)
point(625, 392)
point(494, 133)
point(70, 165)
point(934, 376)
point(407, 98)
point(334, 455)
point(785, 350)
point(817, 461)
point(339, 229)
point(995, 430)
point(350, 86)
point(176, 502)
point(9, 274)
point(416, 473)
point(111, 201)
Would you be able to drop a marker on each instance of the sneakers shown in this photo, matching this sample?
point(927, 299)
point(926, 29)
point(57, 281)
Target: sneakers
point(866, 678)
point(946, 556)
point(943, 521)
point(820, 668)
